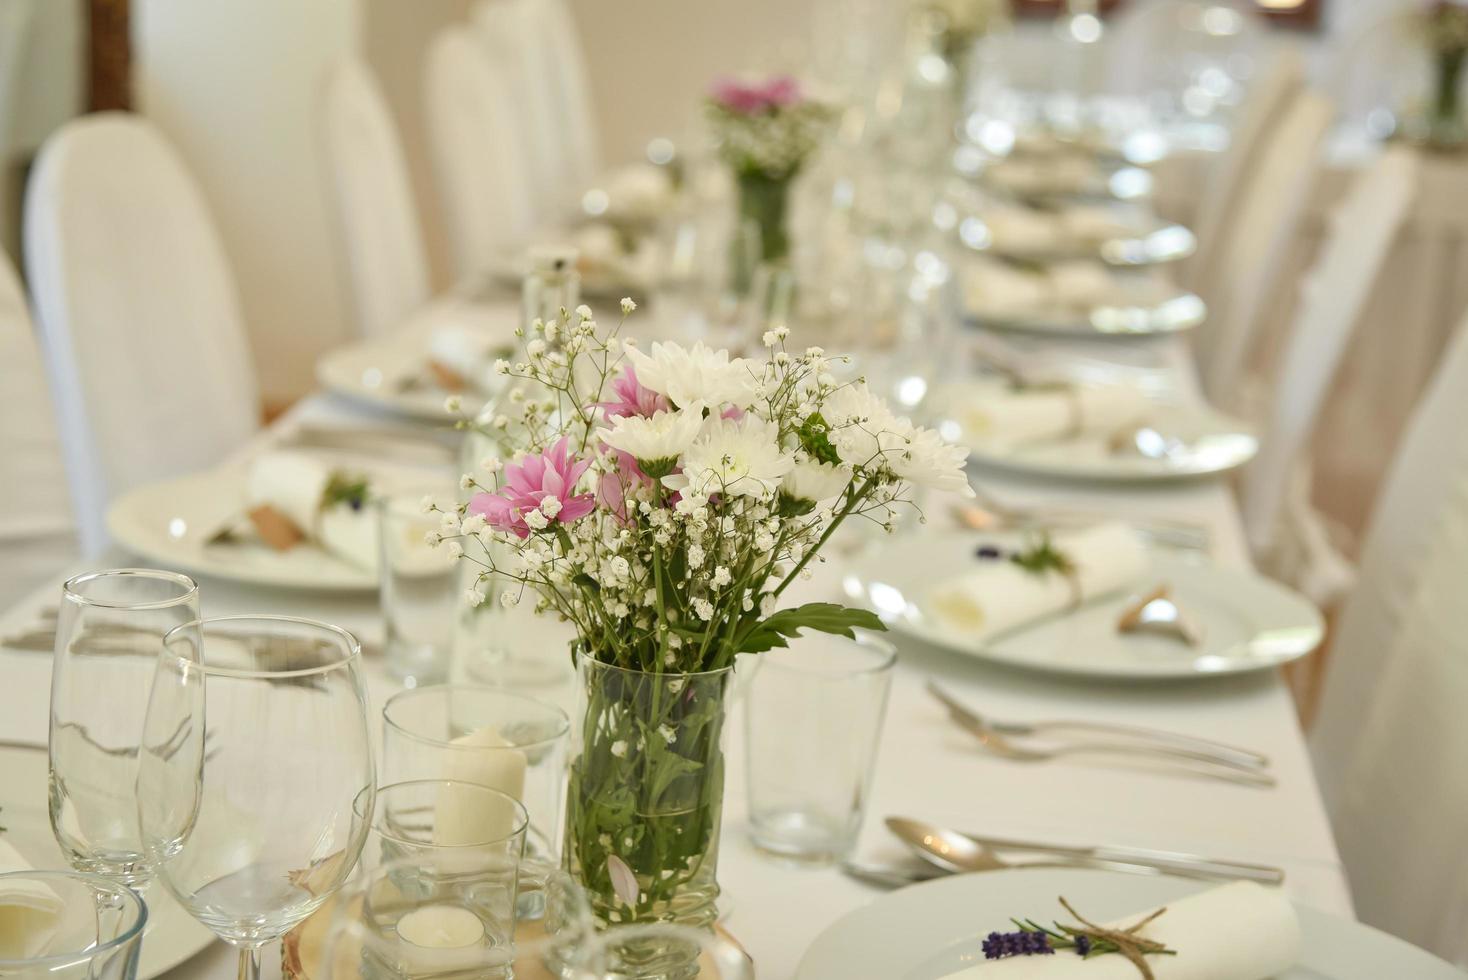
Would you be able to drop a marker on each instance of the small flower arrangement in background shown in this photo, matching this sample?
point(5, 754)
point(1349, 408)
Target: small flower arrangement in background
point(1443, 27)
point(769, 128)
point(965, 21)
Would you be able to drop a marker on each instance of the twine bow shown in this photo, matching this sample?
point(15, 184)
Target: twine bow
point(1126, 941)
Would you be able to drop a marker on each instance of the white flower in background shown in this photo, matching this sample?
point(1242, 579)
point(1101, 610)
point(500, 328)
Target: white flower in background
point(814, 482)
point(697, 374)
point(627, 305)
point(928, 461)
point(660, 439)
point(474, 597)
point(741, 458)
point(451, 404)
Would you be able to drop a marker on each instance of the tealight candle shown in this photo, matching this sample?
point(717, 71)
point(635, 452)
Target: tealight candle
point(463, 817)
point(440, 938)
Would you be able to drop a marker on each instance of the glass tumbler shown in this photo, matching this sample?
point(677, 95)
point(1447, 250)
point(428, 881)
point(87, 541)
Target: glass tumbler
point(420, 592)
point(70, 926)
point(813, 718)
point(109, 631)
point(483, 735)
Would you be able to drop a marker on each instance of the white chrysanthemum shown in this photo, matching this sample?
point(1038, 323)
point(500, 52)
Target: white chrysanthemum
point(928, 461)
point(814, 482)
point(664, 436)
point(742, 458)
point(862, 426)
point(697, 374)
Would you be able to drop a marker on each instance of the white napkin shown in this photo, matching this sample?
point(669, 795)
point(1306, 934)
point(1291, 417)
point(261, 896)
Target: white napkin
point(29, 911)
point(293, 483)
point(1238, 931)
point(999, 289)
point(465, 818)
point(1093, 223)
point(638, 192)
point(999, 595)
point(1084, 285)
point(467, 339)
point(1004, 417)
point(1018, 229)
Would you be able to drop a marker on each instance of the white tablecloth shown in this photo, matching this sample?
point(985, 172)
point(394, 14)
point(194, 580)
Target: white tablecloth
point(927, 768)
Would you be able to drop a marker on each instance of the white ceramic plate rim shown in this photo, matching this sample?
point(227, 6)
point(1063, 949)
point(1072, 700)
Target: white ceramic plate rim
point(899, 933)
point(1268, 650)
point(1084, 325)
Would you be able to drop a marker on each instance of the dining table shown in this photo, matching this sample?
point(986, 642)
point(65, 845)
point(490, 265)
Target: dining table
point(926, 767)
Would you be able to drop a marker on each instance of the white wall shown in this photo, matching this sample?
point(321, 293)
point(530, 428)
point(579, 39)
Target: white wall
point(233, 83)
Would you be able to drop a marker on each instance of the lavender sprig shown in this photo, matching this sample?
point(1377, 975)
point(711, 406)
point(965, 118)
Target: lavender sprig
point(1085, 940)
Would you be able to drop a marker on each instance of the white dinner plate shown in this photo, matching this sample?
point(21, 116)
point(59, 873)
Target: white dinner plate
point(1180, 439)
point(172, 934)
point(931, 930)
point(1153, 243)
point(1248, 622)
point(170, 522)
point(1172, 314)
point(389, 372)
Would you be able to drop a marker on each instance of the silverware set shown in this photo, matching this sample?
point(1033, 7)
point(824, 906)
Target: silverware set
point(988, 514)
point(1043, 741)
point(943, 851)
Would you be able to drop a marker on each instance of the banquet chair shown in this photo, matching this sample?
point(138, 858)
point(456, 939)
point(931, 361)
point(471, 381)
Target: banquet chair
point(1266, 222)
point(1255, 123)
point(367, 183)
point(1288, 538)
point(510, 33)
point(1391, 734)
point(140, 323)
point(572, 88)
point(37, 537)
point(475, 146)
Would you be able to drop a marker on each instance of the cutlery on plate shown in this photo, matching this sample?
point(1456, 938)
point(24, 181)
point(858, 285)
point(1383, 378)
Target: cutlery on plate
point(890, 875)
point(956, 852)
point(1220, 751)
point(1157, 612)
point(387, 440)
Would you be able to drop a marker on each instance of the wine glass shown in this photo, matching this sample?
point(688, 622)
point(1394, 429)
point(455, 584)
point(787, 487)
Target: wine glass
point(109, 629)
point(254, 751)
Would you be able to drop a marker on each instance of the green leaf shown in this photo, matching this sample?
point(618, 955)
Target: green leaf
point(586, 582)
point(344, 489)
point(823, 617)
point(815, 441)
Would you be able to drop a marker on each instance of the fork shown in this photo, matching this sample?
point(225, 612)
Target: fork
point(990, 513)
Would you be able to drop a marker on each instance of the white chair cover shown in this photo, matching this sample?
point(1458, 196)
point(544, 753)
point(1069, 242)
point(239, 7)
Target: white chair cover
point(1391, 736)
point(1286, 534)
point(1264, 103)
point(476, 151)
point(511, 34)
point(1264, 227)
point(368, 183)
point(140, 325)
point(37, 537)
point(572, 88)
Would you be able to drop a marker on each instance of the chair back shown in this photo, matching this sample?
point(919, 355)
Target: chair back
point(140, 322)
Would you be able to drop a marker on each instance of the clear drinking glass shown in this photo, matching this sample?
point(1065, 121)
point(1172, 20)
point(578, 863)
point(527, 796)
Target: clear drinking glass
point(77, 927)
point(420, 592)
point(109, 629)
point(445, 935)
point(812, 720)
point(483, 735)
point(254, 751)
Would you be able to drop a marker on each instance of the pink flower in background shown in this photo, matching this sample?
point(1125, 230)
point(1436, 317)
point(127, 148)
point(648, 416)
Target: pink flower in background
point(612, 488)
point(631, 398)
point(749, 98)
point(538, 491)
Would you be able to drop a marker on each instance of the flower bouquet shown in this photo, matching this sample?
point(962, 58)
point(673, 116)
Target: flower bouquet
point(1444, 27)
point(765, 132)
point(662, 502)
point(963, 22)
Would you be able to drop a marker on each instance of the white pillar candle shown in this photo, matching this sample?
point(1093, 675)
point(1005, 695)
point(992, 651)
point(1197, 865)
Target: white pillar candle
point(486, 758)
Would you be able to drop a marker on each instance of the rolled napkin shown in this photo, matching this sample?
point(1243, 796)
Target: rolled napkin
point(300, 488)
point(1093, 224)
point(1000, 595)
point(464, 818)
point(463, 343)
point(1004, 417)
point(638, 192)
point(1084, 285)
point(1023, 230)
point(1238, 931)
point(29, 911)
point(992, 288)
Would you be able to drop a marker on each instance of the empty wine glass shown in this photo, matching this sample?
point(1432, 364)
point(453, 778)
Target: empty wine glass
point(254, 751)
point(109, 629)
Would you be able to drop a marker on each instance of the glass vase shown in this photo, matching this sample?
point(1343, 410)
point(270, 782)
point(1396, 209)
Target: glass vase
point(762, 207)
point(645, 799)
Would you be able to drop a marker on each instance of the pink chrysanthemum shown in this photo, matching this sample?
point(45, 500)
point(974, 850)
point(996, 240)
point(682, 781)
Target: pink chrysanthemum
point(529, 484)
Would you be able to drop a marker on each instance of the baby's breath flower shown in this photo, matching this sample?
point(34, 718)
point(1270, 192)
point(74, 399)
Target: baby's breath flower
point(451, 404)
point(627, 305)
point(583, 312)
